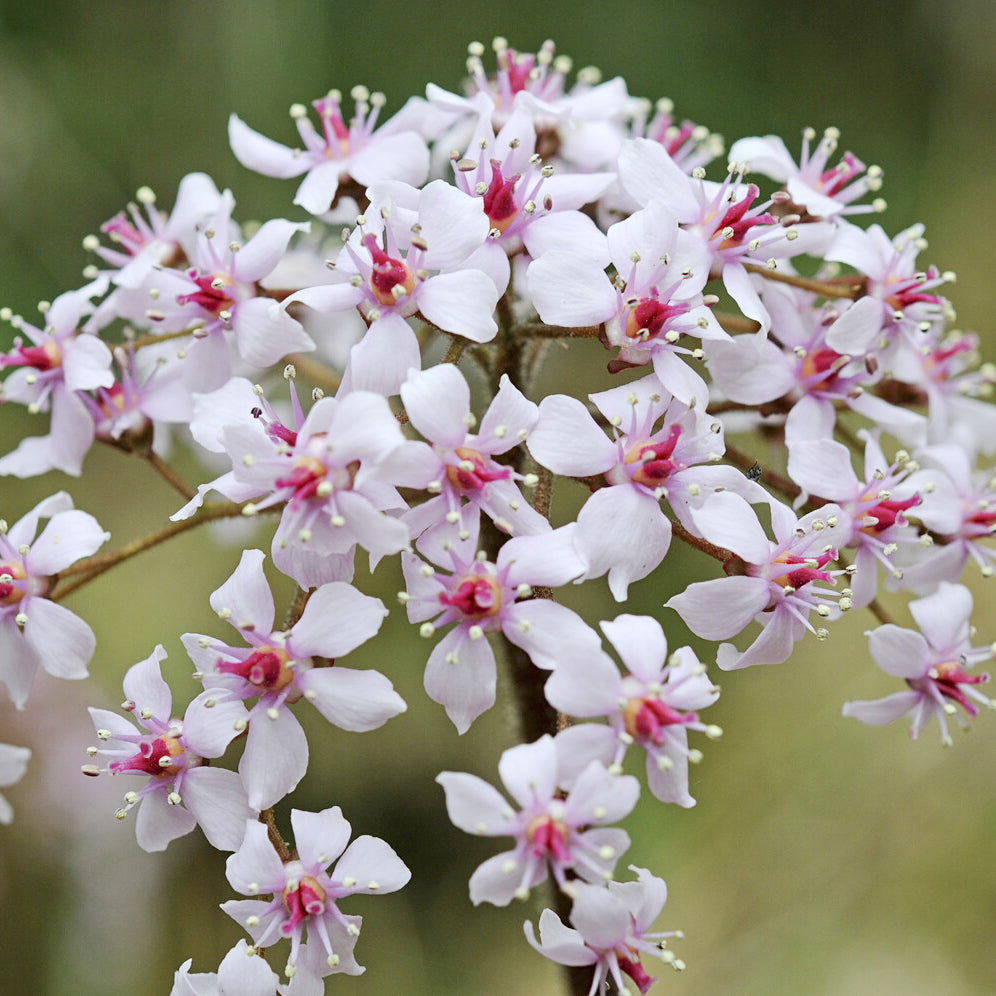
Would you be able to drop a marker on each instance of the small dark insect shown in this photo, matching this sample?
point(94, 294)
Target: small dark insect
point(754, 473)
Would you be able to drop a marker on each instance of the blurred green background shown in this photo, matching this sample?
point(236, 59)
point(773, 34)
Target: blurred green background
point(823, 856)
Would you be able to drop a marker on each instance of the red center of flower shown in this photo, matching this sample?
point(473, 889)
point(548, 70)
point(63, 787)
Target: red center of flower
point(476, 597)
point(808, 569)
point(211, 294)
point(888, 513)
point(738, 221)
point(652, 460)
point(302, 899)
point(11, 594)
point(648, 317)
point(268, 668)
point(948, 676)
point(306, 475)
point(474, 471)
point(154, 758)
point(43, 357)
point(499, 200)
point(391, 279)
point(548, 837)
point(645, 719)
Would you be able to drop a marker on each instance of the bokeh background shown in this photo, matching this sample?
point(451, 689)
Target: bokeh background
point(823, 857)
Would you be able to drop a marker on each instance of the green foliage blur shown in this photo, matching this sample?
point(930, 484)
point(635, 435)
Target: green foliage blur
point(823, 857)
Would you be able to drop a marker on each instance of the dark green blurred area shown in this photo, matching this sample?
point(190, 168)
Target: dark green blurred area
point(823, 856)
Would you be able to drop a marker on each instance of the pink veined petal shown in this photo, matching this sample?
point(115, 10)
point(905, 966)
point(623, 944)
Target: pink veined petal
point(823, 467)
point(624, 532)
point(437, 401)
point(62, 642)
point(240, 972)
point(773, 644)
point(567, 228)
point(740, 287)
point(601, 917)
point(265, 333)
point(262, 154)
point(749, 371)
point(903, 653)
point(670, 783)
point(320, 837)
point(510, 411)
point(352, 700)
point(462, 301)
point(550, 558)
point(529, 771)
point(598, 798)
point(144, 685)
point(328, 298)
point(403, 156)
point(570, 290)
point(66, 538)
point(560, 943)
point(18, 662)
point(158, 823)
point(878, 712)
point(582, 743)
point(22, 532)
point(217, 799)
point(858, 329)
point(275, 758)
point(317, 190)
point(476, 807)
point(729, 521)
point(209, 729)
point(943, 617)
point(246, 595)
point(548, 632)
point(453, 225)
point(721, 608)
point(87, 363)
point(461, 676)
point(381, 360)
point(497, 880)
point(260, 255)
point(767, 156)
point(374, 865)
point(377, 533)
point(567, 441)
point(584, 686)
point(336, 620)
point(640, 643)
point(648, 173)
point(255, 866)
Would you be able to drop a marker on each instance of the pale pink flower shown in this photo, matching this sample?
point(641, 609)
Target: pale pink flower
point(13, 764)
point(239, 972)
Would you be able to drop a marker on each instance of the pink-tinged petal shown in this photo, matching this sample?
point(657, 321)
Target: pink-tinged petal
point(598, 798)
point(117, 726)
point(18, 662)
point(229, 405)
point(374, 865)
point(217, 799)
point(570, 290)
point(462, 302)
point(749, 371)
point(496, 880)
point(328, 298)
point(582, 743)
point(336, 620)
point(22, 532)
point(584, 686)
point(548, 632)
point(503, 503)
point(529, 771)
point(245, 599)
point(320, 837)
point(640, 643)
point(740, 287)
point(648, 173)
point(567, 441)
point(943, 617)
point(550, 559)
point(622, 531)
point(61, 641)
point(857, 331)
point(381, 360)
point(476, 807)
point(246, 912)
point(87, 363)
point(158, 822)
point(352, 700)
point(680, 379)
point(461, 676)
point(903, 653)
point(729, 521)
point(823, 467)
point(255, 866)
point(309, 567)
point(667, 769)
point(70, 437)
point(559, 943)
point(563, 228)
point(609, 843)
point(878, 712)
point(144, 685)
point(211, 721)
point(601, 917)
point(437, 401)
point(453, 224)
point(265, 249)
point(509, 415)
point(265, 333)
point(66, 538)
point(275, 758)
point(403, 156)
point(767, 156)
point(773, 645)
point(908, 427)
point(377, 533)
point(262, 154)
point(317, 190)
point(721, 608)
point(240, 972)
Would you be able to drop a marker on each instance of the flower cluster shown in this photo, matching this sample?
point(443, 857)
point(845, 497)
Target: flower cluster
point(479, 228)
